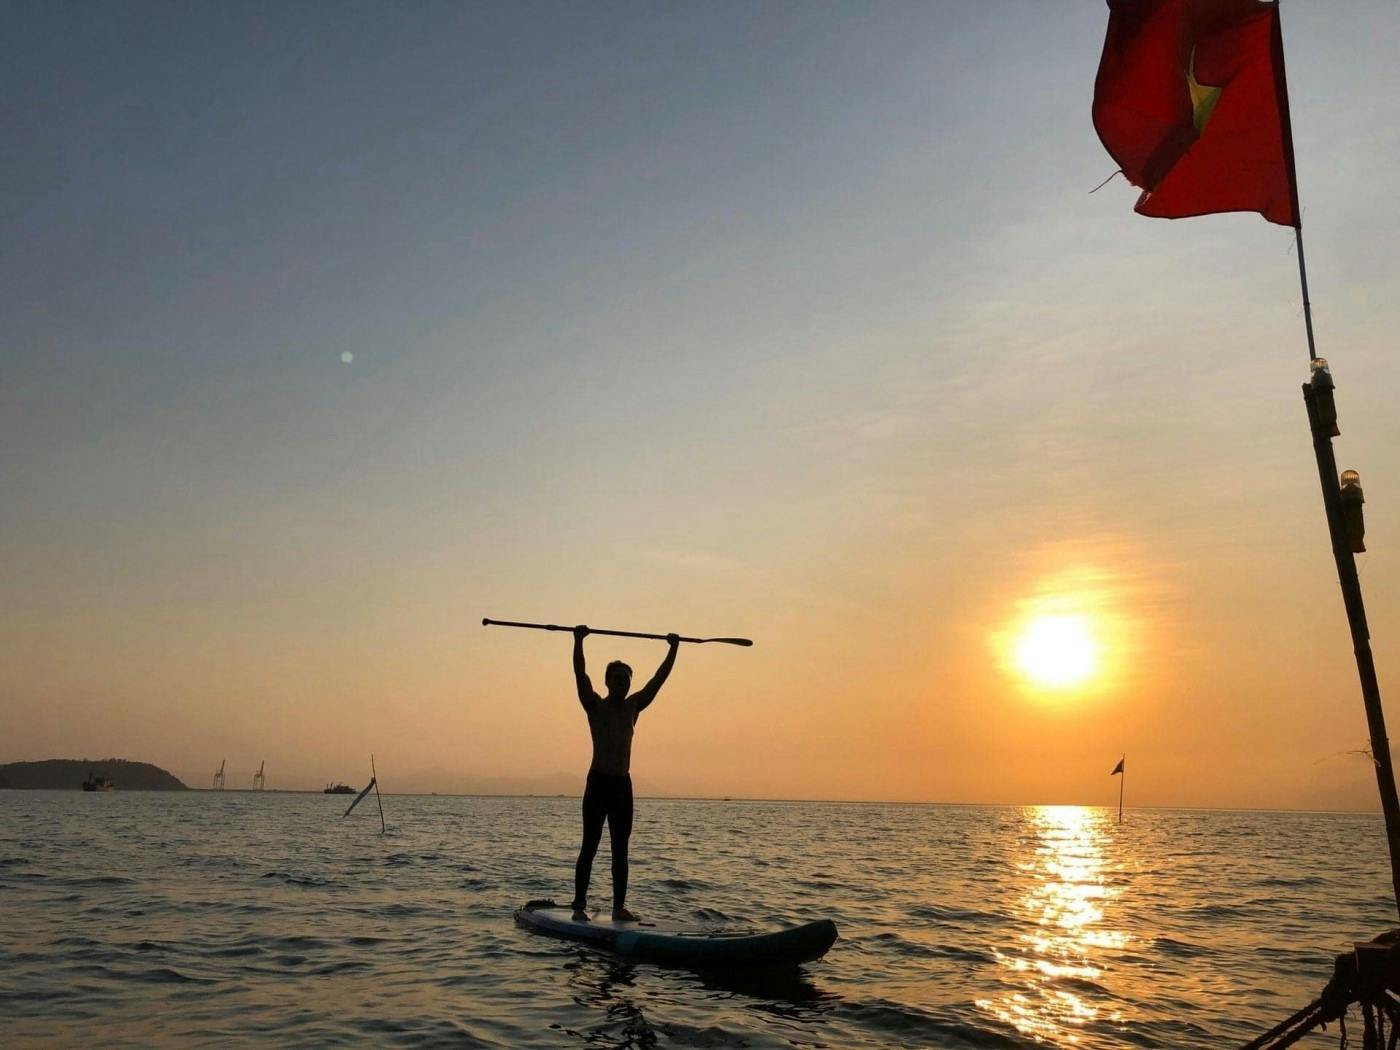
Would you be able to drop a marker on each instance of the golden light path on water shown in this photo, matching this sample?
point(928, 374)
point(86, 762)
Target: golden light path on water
point(1060, 954)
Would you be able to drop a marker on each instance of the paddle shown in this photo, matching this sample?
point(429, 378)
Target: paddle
point(617, 634)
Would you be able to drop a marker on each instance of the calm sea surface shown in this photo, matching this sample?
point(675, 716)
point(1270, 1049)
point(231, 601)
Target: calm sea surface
point(221, 918)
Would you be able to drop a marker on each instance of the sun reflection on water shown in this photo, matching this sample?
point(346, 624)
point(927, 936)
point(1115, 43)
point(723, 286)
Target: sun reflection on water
point(1051, 988)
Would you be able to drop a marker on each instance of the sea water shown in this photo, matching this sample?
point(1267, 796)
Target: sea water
point(222, 918)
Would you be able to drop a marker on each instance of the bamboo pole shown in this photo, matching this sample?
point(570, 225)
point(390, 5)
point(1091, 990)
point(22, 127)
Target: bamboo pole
point(1360, 632)
point(1332, 503)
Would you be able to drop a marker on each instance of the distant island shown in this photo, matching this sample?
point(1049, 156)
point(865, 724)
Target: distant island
point(68, 774)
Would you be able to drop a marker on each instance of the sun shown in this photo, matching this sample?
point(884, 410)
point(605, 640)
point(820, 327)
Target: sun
point(1056, 651)
point(1077, 634)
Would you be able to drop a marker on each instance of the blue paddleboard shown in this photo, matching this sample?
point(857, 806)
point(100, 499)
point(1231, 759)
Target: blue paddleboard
point(677, 945)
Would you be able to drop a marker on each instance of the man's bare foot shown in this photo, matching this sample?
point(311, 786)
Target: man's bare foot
point(580, 913)
point(623, 915)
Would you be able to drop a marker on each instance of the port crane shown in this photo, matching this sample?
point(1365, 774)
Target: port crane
point(260, 777)
point(219, 776)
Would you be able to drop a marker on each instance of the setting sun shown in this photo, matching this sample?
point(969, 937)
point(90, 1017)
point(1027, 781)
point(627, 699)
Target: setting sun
point(1056, 651)
point(1077, 633)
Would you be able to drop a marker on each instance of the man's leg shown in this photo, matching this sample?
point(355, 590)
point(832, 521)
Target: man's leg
point(619, 832)
point(594, 811)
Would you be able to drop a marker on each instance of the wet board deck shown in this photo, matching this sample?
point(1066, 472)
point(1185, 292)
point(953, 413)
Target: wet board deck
point(674, 944)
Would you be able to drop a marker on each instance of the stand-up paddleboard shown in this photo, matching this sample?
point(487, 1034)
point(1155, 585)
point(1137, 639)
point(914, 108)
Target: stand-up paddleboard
point(675, 945)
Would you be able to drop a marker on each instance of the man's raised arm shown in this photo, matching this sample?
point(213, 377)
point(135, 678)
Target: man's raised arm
point(586, 696)
point(649, 691)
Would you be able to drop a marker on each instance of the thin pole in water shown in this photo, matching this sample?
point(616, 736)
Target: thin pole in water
point(383, 829)
point(1122, 779)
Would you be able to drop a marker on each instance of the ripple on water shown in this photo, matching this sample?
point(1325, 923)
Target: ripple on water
point(1180, 949)
point(95, 880)
point(948, 914)
point(167, 975)
point(309, 881)
point(904, 1025)
point(917, 949)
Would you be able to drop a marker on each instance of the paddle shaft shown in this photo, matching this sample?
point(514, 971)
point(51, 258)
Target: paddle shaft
point(615, 634)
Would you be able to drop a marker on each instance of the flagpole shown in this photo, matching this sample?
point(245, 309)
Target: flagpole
point(1286, 121)
point(374, 776)
point(1122, 779)
point(1302, 264)
point(1347, 576)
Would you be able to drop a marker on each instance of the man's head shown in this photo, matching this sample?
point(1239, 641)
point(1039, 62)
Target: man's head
point(618, 678)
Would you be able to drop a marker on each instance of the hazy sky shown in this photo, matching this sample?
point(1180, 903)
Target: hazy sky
point(328, 329)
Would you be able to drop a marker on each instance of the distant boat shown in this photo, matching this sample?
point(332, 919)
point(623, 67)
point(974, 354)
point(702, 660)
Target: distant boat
point(338, 789)
point(93, 783)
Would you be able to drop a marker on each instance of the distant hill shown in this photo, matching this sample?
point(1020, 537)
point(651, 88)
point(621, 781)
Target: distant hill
point(69, 774)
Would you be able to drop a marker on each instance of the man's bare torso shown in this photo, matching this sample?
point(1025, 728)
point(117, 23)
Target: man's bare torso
point(611, 722)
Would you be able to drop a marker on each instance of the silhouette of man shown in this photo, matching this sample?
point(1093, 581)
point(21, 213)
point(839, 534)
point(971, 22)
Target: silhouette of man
point(608, 794)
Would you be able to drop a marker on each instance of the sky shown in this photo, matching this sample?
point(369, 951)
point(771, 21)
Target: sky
point(328, 329)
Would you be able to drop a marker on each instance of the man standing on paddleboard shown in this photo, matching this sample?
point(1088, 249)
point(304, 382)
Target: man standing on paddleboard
point(608, 794)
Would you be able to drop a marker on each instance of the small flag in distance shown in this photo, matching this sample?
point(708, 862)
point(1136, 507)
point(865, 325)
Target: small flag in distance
point(1119, 767)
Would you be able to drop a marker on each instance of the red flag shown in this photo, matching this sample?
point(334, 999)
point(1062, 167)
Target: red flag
point(1191, 102)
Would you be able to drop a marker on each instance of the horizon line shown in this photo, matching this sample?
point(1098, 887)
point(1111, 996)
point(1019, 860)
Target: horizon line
point(797, 801)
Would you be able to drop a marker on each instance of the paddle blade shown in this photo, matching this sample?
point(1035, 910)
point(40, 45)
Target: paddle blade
point(732, 641)
point(360, 797)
